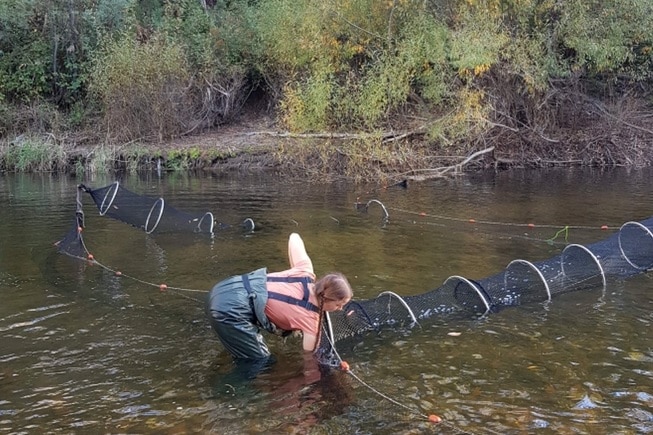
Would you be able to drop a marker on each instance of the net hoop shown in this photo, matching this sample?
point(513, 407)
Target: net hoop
point(249, 224)
point(376, 201)
point(208, 215)
point(533, 269)
point(647, 232)
point(480, 293)
point(403, 302)
point(158, 219)
point(582, 248)
point(114, 188)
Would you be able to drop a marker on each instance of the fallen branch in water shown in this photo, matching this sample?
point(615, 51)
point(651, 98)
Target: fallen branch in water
point(441, 171)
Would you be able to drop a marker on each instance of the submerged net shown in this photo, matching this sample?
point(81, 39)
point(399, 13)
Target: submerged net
point(627, 252)
point(147, 213)
point(152, 215)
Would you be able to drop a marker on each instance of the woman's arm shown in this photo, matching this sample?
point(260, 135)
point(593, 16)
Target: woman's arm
point(311, 369)
point(309, 342)
point(297, 254)
point(300, 260)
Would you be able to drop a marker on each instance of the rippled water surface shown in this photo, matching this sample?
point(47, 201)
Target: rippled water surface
point(85, 351)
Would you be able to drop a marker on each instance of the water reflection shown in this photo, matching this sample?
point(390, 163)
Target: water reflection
point(292, 401)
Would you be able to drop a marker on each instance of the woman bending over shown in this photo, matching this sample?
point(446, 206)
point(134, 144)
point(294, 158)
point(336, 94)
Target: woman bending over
point(291, 300)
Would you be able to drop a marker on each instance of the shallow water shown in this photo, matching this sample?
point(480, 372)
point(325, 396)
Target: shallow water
point(85, 351)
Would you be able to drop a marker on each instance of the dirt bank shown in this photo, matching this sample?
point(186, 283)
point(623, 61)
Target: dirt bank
point(254, 142)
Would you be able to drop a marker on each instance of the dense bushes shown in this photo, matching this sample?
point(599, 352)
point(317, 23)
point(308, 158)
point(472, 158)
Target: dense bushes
point(458, 71)
point(143, 89)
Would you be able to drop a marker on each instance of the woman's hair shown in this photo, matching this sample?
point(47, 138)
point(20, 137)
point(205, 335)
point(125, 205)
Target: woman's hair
point(334, 287)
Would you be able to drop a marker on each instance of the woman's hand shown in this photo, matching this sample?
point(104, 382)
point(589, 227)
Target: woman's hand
point(297, 255)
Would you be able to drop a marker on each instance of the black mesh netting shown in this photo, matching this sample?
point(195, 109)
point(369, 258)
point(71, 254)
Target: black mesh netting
point(152, 215)
point(148, 213)
point(627, 252)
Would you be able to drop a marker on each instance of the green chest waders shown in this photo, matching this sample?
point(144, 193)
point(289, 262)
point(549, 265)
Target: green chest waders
point(237, 311)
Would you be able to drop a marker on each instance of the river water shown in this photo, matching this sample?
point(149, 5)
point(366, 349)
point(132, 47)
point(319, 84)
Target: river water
point(85, 351)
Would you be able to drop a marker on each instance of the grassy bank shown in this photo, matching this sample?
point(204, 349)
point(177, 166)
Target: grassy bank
point(47, 154)
point(605, 137)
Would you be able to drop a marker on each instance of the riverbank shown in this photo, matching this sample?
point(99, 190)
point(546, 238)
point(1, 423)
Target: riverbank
point(255, 143)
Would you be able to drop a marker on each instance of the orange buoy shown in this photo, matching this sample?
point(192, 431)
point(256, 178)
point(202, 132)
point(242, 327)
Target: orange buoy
point(79, 229)
point(531, 225)
point(434, 418)
point(118, 273)
point(472, 221)
point(421, 213)
point(90, 257)
point(344, 365)
point(163, 287)
point(604, 227)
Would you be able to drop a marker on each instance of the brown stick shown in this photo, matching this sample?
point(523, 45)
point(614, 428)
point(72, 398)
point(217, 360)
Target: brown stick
point(441, 171)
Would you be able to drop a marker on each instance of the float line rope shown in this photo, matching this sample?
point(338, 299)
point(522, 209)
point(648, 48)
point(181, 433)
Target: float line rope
point(551, 240)
point(343, 365)
point(499, 223)
point(162, 287)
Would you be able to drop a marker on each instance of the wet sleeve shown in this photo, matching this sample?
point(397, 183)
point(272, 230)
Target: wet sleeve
point(297, 254)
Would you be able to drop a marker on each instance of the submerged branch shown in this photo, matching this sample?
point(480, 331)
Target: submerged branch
point(441, 171)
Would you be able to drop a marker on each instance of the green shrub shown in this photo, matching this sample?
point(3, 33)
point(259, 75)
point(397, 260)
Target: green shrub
point(33, 154)
point(143, 89)
point(351, 64)
point(183, 159)
point(6, 119)
point(416, 63)
point(24, 52)
point(219, 45)
point(305, 106)
point(476, 42)
point(610, 36)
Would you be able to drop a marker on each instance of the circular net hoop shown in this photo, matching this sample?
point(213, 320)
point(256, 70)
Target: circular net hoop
point(156, 211)
point(205, 224)
point(394, 297)
point(636, 245)
point(581, 268)
point(467, 296)
point(109, 198)
point(523, 284)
